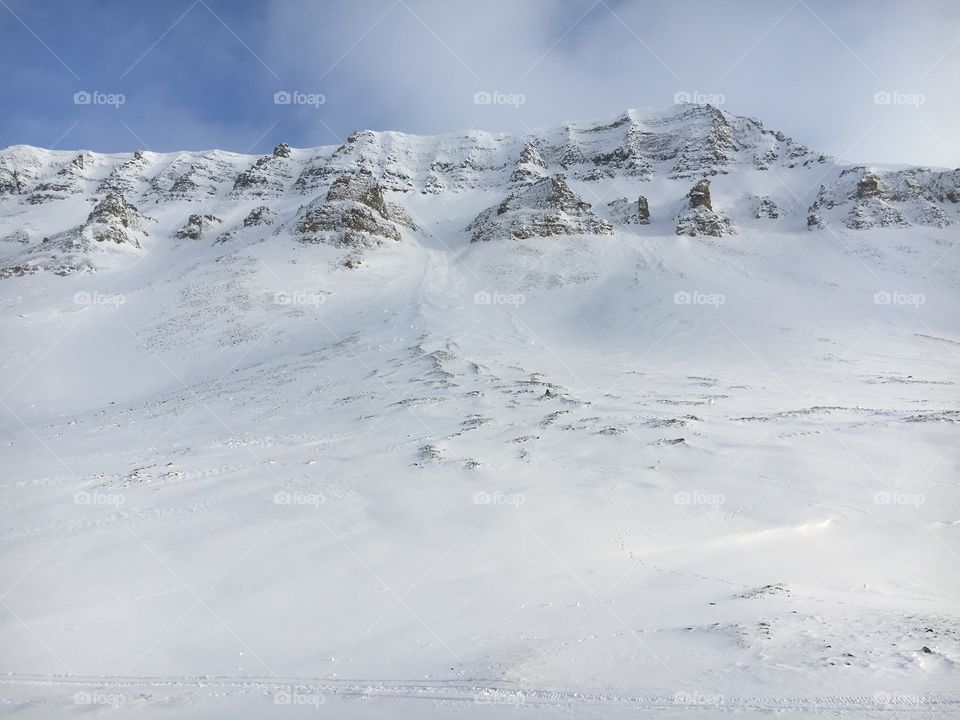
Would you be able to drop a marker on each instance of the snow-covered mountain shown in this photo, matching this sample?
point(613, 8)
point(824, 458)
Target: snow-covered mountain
point(354, 195)
point(649, 414)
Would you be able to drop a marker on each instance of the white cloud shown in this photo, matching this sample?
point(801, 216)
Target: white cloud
point(810, 69)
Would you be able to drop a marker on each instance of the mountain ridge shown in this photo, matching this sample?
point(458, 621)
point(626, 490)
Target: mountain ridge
point(47, 194)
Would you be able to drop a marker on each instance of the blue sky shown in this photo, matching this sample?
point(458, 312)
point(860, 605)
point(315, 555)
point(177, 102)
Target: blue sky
point(869, 80)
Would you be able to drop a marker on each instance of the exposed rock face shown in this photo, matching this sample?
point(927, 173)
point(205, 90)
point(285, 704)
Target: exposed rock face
point(531, 166)
point(689, 141)
point(66, 181)
point(631, 156)
point(886, 199)
point(712, 149)
point(197, 226)
point(267, 178)
point(868, 187)
point(766, 208)
point(699, 217)
point(10, 182)
point(548, 207)
point(683, 142)
point(630, 213)
point(699, 195)
point(260, 215)
point(354, 213)
point(115, 220)
point(192, 178)
point(874, 213)
point(112, 222)
point(125, 177)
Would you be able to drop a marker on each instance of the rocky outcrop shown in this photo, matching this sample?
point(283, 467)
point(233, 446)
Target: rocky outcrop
point(545, 208)
point(191, 178)
point(531, 167)
point(112, 223)
point(10, 182)
point(197, 226)
point(354, 213)
point(630, 157)
point(699, 196)
point(115, 220)
point(267, 177)
point(868, 186)
point(687, 141)
point(66, 181)
point(713, 148)
point(699, 217)
point(260, 215)
point(630, 213)
point(863, 198)
point(765, 208)
point(125, 177)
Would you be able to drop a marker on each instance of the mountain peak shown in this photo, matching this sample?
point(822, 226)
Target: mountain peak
point(539, 183)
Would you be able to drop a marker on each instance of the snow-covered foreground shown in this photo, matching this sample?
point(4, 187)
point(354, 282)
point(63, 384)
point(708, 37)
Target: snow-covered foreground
point(601, 477)
point(403, 501)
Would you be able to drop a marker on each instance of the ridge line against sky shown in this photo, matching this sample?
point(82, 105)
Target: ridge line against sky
point(866, 81)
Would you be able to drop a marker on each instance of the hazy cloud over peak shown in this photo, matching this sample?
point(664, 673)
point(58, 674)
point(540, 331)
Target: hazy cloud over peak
point(868, 81)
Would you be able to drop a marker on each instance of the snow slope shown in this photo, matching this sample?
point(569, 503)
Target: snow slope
point(305, 465)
